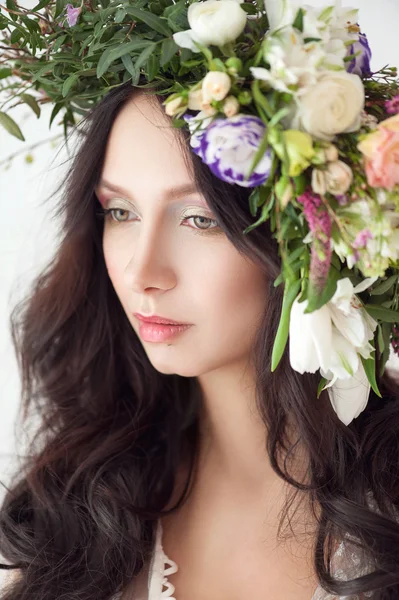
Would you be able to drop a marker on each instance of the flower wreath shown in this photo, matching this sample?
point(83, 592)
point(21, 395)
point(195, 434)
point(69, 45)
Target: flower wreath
point(278, 98)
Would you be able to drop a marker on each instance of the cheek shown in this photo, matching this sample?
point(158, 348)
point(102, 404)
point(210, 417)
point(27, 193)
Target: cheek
point(236, 292)
point(114, 257)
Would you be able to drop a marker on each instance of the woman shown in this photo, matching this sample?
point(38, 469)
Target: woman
point(170, 460)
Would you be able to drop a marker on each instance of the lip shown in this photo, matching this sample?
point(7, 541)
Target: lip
point(157, 320)
point(156, 332)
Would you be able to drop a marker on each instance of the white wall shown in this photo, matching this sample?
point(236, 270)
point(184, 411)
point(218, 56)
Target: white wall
point(27, 233)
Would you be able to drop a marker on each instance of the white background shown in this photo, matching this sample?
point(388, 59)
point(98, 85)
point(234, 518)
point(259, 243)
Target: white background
point(28, 234)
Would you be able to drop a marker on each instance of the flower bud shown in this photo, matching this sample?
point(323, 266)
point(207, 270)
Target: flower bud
point(319, 185)
point(339, 177)
point(231, 106)
point(245, 97)
point(195, 99)
point(234, 65)
point(215, 86)
point(174, 106)
point(331, 153)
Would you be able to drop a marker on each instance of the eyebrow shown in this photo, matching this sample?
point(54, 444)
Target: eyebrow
point(171, 192)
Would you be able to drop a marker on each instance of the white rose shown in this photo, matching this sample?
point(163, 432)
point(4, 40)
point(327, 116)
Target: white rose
point(339, 177)
point(231, 106)
point(336, 179)
point(333, 105)
point(215, 86)
point(212, 23)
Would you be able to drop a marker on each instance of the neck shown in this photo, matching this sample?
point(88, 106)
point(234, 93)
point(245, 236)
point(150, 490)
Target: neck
point(233, 435)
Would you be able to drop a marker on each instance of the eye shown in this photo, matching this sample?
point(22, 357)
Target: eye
point(205, 220)
point(118, 214)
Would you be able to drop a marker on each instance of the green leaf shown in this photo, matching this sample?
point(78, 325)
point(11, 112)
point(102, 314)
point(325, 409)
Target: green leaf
point(8, 123)
point(298, 22)
point(59, 7)
point(253, 201)
point(317, 301)
point(5, 72)
point(152, 67)
point(261, 100)
point(119, 15)
point(144, 56)
point(153, 21)
point(313, 39)
point(382, 314)
point(385, 286)
point(15, 36)
point(369, 367)
point(291, 290)
point(12, 6)
point(259, 154)
point(113, 53)
point(41, 4)
point(169, 49)
point(68, 83)
point(300, 183)
point(130, 68)
point(176, 15)
point(58, 43)
point(321, 385)
point(264, 216)
point(31, 101)
point(55, 111)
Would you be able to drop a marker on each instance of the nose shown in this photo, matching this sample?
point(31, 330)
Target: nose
point(150, 266)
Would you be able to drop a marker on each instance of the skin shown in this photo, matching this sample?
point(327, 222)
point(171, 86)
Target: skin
point(190, 272)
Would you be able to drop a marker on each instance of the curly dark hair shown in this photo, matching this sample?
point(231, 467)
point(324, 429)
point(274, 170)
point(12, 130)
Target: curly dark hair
point(79, 518)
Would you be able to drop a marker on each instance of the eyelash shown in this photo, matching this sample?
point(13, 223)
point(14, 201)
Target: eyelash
point(108, 213)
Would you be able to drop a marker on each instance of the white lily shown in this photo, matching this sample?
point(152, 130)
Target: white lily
point(332, 338)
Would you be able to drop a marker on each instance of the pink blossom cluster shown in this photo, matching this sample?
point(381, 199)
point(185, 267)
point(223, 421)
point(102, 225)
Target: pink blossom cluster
point(319, 222)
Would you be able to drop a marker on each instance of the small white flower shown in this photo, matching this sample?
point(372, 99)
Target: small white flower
point(334, 105)
point(212, 23)
point(215, 86)
point(368, 120)
point(293, 63)
point(231, 106)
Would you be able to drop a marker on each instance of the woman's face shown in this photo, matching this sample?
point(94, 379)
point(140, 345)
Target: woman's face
point(166, 255)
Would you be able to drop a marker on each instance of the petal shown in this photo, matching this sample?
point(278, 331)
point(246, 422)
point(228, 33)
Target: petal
point(344, 360)
point(184, 39)
point(351, 326)
point(364, 285)
point(309, 338)
point(349, 397)
point(322, 330)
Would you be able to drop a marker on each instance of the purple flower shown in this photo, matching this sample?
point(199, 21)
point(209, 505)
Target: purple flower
point(392, 106)
point(361, 52)
point(228, 147)
point(72, 14)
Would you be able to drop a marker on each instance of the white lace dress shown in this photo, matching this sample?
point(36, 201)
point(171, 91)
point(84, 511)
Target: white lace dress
point(153, 584)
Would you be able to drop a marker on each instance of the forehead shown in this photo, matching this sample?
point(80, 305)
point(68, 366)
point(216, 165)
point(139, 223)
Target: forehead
point(144, 151)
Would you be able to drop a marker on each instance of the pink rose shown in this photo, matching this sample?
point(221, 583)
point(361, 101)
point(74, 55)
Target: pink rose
point(381, 151)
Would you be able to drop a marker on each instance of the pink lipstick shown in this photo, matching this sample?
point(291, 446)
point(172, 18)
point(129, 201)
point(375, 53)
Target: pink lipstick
point(159, 329)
